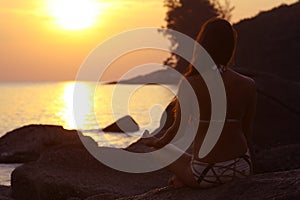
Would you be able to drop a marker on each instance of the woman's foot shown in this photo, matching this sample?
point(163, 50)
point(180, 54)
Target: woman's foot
point(175, 182)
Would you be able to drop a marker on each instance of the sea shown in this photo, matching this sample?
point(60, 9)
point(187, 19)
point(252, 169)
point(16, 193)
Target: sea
point(85, 106)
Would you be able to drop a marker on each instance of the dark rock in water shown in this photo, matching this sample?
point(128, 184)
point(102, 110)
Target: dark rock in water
point(70, 171)
point(124, 125)
point(27, 143)
point(281, 186)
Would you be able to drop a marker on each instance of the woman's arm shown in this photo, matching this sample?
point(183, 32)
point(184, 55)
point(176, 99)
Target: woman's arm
point(170, 132)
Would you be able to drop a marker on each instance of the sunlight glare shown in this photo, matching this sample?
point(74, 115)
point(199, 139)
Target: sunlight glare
point(74, 14)
point(85, 95)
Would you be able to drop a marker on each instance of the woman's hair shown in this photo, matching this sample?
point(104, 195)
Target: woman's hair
point(218, 38)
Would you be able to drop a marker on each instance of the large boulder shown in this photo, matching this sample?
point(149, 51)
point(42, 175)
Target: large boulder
point(62, 167)
point(5, 193)
point(270, 42)
point(267, 51)
point(281, 158)
point(279, 186)
point(70, 171)
point(278, 110)
point(27, 143)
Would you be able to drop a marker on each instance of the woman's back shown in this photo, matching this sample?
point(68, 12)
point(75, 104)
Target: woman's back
point(232, 143)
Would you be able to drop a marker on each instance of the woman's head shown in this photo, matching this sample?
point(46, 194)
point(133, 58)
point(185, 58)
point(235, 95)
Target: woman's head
point(218, 38)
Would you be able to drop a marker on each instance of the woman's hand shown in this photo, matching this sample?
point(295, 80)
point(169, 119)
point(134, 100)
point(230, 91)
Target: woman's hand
point(149, 140)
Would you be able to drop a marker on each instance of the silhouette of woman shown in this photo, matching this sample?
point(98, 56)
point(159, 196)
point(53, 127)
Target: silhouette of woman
point(230, 157)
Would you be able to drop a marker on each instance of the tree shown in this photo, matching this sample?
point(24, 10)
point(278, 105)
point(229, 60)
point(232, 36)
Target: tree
point(187, 16)
point(224, 10)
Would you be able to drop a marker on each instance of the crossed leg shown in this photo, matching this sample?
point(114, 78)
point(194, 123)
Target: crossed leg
point(183, 175)
point(181, 168)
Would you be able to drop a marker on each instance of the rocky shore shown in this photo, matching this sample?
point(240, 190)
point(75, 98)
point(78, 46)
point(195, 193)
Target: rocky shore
point(61, 168)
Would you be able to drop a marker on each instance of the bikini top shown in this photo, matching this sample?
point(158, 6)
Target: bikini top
point(221, 68)
point(219, 121)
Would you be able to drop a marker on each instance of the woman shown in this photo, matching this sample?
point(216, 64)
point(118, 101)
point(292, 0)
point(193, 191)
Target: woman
point(229, 158)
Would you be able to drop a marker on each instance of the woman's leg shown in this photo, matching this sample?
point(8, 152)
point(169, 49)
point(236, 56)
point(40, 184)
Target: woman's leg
point(183, 175)
point(181, 168)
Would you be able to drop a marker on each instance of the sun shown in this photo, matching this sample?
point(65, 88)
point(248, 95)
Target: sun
point(74, 14)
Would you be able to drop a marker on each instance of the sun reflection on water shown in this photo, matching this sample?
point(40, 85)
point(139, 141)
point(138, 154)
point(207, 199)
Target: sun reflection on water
point(85, 95)
point(95, 110)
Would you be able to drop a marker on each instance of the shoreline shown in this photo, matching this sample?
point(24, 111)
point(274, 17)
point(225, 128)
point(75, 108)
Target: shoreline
point(64, 169)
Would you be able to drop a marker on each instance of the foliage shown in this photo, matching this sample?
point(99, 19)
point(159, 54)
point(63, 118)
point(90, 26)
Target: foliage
point(187, 16)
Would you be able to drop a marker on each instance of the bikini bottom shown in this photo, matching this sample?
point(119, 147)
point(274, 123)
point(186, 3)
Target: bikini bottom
point(210, 175)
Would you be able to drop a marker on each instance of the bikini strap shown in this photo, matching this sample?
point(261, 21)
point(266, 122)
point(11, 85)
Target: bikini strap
point(248, 161)
point(204, 172)
point(221, 68)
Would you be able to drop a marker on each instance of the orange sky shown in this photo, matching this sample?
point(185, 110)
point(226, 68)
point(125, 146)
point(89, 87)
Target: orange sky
point(35, 47)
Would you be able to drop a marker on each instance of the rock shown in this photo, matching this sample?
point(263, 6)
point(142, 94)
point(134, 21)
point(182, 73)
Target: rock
point(279, 186)
point(270, 42)
point(276, 141)
point(278, 110)
point(70, 171)
point(124, 125)
point(267, 51)
point(5, 193)
point(138, 147)
point(275, 159)
point(27, 143)
point(107, 196)
point(65, 169)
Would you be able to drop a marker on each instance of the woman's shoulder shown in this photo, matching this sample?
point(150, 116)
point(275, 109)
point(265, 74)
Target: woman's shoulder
point(244, 84)
point(243, 79)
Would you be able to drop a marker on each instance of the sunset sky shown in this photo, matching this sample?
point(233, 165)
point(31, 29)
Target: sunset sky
point(47, 40)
